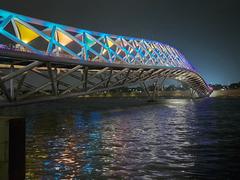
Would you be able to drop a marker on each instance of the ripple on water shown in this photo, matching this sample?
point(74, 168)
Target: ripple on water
point(171, 139)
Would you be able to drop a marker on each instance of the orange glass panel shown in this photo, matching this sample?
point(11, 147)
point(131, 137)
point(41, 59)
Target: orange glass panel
point(63, 39)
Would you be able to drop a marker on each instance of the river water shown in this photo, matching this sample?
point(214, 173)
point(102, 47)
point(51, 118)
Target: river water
point(132, 139)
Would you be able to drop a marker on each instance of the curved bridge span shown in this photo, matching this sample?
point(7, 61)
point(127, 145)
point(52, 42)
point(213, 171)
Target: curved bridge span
point(43, 58)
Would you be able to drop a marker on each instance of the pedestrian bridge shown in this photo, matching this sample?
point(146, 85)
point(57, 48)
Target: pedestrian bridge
point(40, 59)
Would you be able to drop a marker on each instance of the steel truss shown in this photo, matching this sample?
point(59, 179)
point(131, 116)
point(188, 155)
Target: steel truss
point(93, 61)
point(57, 81)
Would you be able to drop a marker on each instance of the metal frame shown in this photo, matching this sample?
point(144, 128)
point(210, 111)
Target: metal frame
point(101, 61)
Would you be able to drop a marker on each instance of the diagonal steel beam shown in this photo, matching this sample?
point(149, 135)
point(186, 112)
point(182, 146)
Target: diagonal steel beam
point(5, 91)
point(105, 80)
point(49, 82)
point(20, 83)
point(122, 80)
point(20, 71)
point(90, 78)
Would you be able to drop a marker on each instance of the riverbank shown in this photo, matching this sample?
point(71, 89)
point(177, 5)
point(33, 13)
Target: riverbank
point(119, 95)
point(134, 96)
point(226, 93)
point(173, 94)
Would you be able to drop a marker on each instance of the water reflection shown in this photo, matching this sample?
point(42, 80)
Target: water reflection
point(66, 147)
point(170, 139)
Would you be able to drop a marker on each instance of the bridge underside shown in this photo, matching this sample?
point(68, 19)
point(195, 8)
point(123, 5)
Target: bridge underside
point(33, 77)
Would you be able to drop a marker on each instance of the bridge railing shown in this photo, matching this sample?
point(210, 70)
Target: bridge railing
point(90, 45)
point(22, 49)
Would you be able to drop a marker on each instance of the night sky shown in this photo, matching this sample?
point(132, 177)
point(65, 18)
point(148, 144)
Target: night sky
point(207, 32)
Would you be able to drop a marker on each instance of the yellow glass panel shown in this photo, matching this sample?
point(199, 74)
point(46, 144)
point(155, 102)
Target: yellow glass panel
point(63, 39)
point(26, 34)
point(109, 43)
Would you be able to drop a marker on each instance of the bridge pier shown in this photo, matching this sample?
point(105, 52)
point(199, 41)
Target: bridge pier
point(12, 148)
point(52, 79)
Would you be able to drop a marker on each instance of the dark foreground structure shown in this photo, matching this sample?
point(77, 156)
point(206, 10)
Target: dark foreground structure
point(43, 60)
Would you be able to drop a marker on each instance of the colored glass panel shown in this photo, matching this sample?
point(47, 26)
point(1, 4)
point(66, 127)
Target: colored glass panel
point(26, 34)
point(63, 39)
point(110, 44)
point(89, 41)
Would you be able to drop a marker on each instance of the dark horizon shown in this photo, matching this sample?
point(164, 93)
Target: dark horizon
point(205, 32)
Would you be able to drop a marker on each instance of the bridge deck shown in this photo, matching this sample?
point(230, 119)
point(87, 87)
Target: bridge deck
point(61, 61)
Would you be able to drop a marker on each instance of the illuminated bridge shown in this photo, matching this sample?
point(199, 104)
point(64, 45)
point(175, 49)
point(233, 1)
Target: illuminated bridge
point(40, 59)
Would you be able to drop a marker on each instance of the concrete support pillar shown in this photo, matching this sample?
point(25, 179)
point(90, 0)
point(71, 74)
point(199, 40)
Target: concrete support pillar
point(85, 78)
point(16, 168)
point(12, 95)
point(4, 141)
point(12, 148)
point(52, 79)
